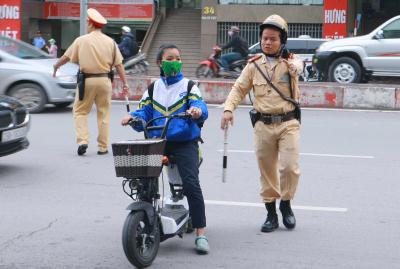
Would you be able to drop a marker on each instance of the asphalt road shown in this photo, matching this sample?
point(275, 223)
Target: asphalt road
point(58, 210)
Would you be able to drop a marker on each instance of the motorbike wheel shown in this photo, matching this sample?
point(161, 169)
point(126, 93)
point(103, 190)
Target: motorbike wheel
point(140, 246)
point(203, 71)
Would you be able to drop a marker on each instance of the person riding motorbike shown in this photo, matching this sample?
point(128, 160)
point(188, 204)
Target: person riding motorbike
point(240, 48)
point(128, 45)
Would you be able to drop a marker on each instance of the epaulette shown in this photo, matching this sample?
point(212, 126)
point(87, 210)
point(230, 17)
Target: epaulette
point(254, 58)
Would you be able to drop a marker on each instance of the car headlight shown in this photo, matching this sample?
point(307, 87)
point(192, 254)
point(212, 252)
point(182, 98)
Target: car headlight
point(322, 47)
point(66, 79)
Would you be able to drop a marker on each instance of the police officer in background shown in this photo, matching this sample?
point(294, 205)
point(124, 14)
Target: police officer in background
point(96, 55)
point(277, 130)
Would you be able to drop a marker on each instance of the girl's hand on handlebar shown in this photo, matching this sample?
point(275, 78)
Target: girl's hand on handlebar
point(195, 112)
point(126, 120)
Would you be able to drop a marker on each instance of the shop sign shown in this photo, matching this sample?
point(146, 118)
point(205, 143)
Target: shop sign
point(132, 10)
point(335, 19)
point(10, 18)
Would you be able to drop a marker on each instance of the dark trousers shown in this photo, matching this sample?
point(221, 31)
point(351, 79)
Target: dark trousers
point(226, 59)
point(186, 156)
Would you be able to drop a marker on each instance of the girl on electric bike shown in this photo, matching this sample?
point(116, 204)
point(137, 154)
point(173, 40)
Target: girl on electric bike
point(170, 94)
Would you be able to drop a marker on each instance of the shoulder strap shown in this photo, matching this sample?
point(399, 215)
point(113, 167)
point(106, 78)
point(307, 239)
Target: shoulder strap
point(290, 100)
point(150, 90)
point(190, 85)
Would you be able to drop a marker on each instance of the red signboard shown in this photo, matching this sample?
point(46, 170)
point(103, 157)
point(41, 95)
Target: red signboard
point(115, 10)
point(10, 18)
point(335, 19)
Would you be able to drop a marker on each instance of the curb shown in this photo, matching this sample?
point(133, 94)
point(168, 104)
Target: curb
point(314, 94)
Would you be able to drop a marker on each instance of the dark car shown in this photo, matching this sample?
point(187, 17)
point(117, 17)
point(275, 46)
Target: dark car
point(14, 126)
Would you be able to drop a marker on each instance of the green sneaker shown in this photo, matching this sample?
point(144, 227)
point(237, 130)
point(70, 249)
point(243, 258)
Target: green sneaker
point(202, 246)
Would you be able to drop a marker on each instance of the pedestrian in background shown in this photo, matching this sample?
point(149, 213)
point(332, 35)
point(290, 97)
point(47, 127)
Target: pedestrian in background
point(38, 41)
point(53, 49)
point(96, 54)
point(277, 121)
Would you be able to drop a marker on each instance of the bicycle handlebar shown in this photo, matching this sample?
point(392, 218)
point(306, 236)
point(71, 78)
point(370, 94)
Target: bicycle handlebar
point(146, 125)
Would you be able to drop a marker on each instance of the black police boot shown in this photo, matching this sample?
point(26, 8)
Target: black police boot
point(82, 149)
point(271, 223)
point(287, 214)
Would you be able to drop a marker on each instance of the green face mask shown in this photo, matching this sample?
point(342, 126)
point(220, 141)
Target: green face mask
point(171, 68)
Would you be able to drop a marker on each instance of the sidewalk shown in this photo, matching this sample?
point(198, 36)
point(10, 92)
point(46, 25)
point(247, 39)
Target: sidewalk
point(314, 94)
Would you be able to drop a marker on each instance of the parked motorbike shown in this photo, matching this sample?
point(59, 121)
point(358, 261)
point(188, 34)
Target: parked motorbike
point(212, 68)
point(136, 64)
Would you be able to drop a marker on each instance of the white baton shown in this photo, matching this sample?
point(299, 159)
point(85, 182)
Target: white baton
point(225, 157)
point(127, 103)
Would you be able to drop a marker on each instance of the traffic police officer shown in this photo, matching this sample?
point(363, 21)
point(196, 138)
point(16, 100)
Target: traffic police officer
point(277, 130)
point(96, 54)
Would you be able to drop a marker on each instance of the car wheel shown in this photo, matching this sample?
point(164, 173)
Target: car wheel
point(30, 95)
point(62, 105)
point(345, 70)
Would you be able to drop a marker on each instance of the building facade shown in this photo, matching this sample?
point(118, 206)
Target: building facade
point(59, 19)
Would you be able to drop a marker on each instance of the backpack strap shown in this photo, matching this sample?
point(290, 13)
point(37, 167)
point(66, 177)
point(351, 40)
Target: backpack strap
point(150, 90)
point(190, 85)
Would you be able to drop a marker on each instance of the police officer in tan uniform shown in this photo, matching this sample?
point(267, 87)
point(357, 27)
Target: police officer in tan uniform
point(96, 54)
point(277, 129)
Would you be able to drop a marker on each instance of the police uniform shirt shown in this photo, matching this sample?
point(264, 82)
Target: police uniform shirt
point(94, 53)
point(266, 100)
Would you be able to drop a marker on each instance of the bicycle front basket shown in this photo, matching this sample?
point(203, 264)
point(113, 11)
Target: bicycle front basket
point(138, 158)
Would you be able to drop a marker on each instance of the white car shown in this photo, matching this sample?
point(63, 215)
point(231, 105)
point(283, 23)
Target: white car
point(26, 74)
point(356, 59)
point(304, 47)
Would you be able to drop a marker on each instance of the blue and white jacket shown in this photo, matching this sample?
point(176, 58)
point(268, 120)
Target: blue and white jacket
point(169, 97)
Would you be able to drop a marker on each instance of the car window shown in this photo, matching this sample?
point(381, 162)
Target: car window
point(254, 49)
point(302, 46)
point(392, 30)
point(313, 45)
point(297, 46)
point(21, 49)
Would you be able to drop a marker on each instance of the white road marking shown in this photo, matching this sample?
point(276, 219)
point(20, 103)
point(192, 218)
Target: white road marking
point(312, 154)
point(303, 108)
point(245, 204)
point(322, 109)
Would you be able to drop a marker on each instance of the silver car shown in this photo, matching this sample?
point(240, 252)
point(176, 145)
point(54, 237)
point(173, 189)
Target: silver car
point(356, 59)
point(26, 74)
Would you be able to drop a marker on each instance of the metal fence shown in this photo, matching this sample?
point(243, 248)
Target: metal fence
point(249, 31)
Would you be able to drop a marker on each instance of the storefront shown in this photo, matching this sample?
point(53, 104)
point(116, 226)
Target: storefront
point(59, 19)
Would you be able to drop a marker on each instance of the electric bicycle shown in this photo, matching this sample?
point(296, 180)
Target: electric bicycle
point(150, 220)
